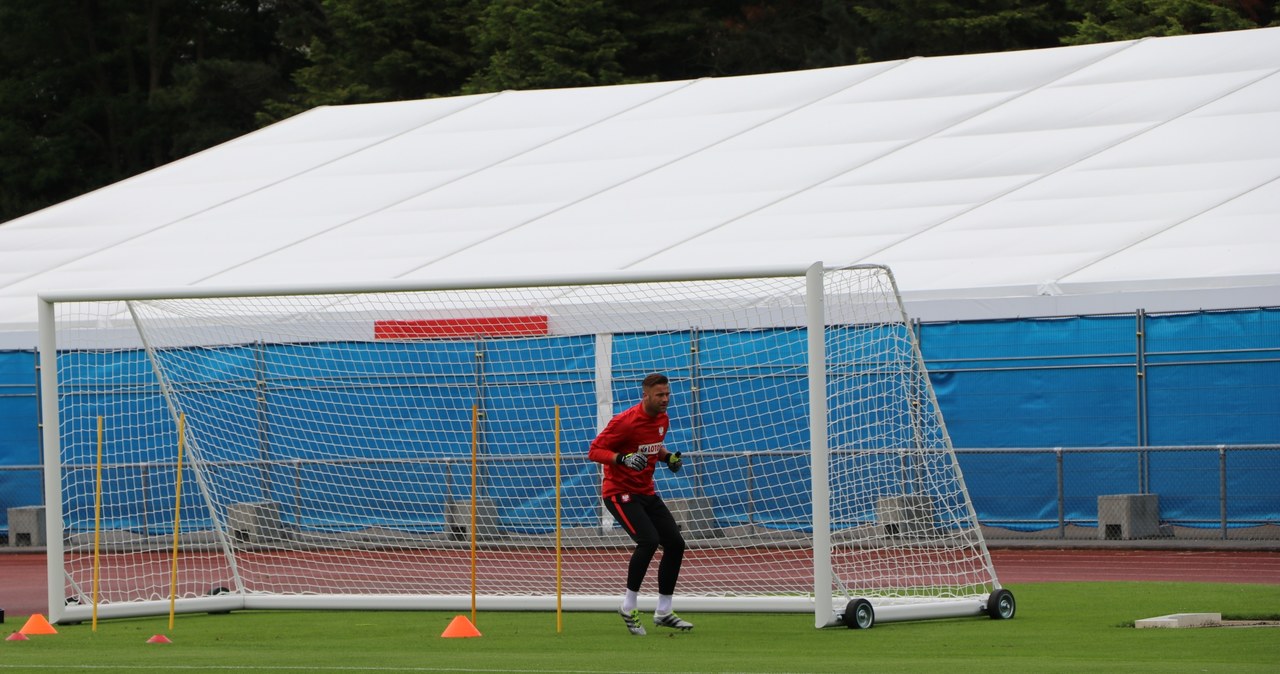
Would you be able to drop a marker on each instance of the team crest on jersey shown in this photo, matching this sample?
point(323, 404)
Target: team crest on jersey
point(662, 430)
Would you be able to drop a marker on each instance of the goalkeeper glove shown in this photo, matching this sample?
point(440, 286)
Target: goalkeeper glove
point(673, 462)
point(635, 461)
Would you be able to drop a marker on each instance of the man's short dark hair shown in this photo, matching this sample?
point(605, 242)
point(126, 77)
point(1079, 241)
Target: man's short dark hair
point(655, 379)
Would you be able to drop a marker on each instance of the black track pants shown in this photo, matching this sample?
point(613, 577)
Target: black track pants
point(650, 524)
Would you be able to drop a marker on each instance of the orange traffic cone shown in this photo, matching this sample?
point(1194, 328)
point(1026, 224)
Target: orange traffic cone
point(37, 624)
point(460, 627)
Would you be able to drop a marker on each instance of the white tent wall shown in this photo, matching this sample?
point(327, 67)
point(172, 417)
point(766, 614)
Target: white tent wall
point(1092, 179)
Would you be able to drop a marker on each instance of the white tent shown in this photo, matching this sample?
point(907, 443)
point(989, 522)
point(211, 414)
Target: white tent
point(1090, 179)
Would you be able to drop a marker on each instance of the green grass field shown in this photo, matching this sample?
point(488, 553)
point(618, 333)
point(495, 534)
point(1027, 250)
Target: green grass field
point(1059, 627)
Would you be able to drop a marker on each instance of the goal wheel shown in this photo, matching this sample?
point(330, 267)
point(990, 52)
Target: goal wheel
point(215, 591)
point(1000, 605)
point(859, 615)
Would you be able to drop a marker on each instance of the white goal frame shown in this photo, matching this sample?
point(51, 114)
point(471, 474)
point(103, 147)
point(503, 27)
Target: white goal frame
point(825, 603)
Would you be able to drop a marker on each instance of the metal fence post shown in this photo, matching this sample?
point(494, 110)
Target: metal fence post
point(1062, 498)
point(1222, 489)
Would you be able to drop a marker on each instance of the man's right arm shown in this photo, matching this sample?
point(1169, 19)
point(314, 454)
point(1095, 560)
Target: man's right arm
point(602, 448)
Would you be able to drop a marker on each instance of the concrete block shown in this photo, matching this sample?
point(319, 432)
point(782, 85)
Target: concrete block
point(905, 515)
point(457, 518)
point(27, 527)
point(1128, 516)
point(256, 523)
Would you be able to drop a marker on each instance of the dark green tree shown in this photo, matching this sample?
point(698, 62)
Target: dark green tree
point(541, 44)
point(94, 91)
point(904, 28)
point(671, 39)
point(777, 35)
point(1113, 20)
point(363, 51)
point(770, 35)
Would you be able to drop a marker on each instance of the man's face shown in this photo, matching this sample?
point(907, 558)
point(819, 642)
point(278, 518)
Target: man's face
point(656, 398)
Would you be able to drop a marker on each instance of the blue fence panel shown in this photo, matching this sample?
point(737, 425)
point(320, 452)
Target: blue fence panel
point(1038, 408)
point(19, 433)
point(735, 474)
point(1252, 497)
point(1211, 378)
point(1209, 404)
point(1015, 490)
point(1187, 486)
point(1035, 383)
point(1088, 474)
point(1214, 377)
point(745, 404)
point(127, 510)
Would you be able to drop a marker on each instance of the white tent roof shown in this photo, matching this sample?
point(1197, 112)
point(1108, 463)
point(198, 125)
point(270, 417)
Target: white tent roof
point(1086, 179)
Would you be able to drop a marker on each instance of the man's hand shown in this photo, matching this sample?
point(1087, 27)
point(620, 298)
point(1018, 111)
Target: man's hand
point(635, 461)
point(673, 462)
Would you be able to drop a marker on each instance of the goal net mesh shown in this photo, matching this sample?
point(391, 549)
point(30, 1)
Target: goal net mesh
point(344, 444)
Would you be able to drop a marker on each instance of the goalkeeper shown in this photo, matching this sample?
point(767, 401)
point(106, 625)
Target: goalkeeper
point(630, 448)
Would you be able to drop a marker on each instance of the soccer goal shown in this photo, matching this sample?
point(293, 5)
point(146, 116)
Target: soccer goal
point(424, 447)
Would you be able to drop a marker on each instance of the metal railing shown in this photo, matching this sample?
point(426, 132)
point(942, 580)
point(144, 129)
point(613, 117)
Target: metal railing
point(1222, 492)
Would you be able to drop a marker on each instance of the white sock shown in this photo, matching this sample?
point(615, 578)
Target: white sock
point(664, 604)
point(629, 601)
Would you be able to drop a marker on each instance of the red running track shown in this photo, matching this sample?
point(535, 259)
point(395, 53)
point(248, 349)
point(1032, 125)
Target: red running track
point(23, 581)
point(1199, 566)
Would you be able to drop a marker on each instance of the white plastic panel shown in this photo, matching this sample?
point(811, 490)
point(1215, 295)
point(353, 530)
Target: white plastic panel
point(1057, 179)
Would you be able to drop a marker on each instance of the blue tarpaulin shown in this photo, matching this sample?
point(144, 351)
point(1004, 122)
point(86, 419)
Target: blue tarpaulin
point(1014, 388)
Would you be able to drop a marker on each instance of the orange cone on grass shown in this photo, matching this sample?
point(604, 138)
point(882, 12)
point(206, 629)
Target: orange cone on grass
point(37, 624)
point(460, 627)
point(159, 639)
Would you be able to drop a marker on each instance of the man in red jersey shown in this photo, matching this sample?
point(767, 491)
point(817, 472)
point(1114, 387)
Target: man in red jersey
point(630, 448)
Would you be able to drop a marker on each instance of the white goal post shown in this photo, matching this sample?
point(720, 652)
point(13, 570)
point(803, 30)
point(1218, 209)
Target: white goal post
point(414, 446)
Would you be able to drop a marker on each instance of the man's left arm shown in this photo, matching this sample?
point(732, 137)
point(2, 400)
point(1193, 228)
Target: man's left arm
point(672, 459)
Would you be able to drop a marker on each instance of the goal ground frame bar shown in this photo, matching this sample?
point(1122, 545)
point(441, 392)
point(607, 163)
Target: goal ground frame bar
point(885, 611)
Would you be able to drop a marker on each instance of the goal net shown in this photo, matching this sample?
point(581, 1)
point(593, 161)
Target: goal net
point(410, 448)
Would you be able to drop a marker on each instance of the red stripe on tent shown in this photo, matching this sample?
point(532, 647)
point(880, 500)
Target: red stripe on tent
point(447, 328)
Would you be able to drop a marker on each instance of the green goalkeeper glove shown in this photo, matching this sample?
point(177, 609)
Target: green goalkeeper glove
point(673, 462)
point(635, 461)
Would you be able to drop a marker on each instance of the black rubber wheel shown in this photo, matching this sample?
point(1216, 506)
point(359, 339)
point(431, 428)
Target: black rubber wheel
point(859, 615)
point(215, 591)
point(1001, 605)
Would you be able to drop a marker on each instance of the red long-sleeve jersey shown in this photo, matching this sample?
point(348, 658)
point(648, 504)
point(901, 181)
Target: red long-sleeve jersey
point(632, 430)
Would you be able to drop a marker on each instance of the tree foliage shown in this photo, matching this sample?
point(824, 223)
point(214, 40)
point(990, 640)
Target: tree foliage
point(365, 51)
point(542, 44)
point(795, 34)
point(94, 91)
point(1114, 20)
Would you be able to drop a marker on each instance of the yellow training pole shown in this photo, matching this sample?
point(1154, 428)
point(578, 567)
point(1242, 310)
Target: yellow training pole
point(177, 512)
point(475, 443)
point(559, 595)
point(97, 524)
